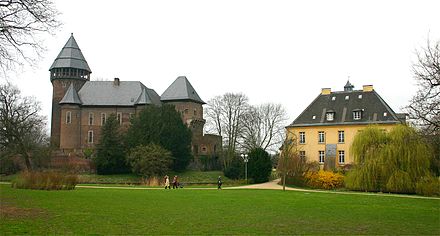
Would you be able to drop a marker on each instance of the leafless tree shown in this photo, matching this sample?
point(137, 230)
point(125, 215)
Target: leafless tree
point(263, 127)
point(22, 129)
point(21, 24)
point(424, 107)
point(225, 114)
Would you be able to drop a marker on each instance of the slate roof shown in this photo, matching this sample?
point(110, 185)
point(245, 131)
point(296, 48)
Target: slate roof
point(181, 89)
point(71, 96)
point(127, 93)
point(71, 57)
point(371, 104)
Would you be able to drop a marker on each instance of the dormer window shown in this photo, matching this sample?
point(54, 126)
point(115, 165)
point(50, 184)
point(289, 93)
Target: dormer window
point(357, 114)
point(330, 115)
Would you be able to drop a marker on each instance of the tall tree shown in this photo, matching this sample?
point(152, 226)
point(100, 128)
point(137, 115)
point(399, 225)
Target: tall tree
point(260, 165)
point(21, 24)
point(162, 126)
point(22, 129)
point(263, 127)
point(225, 114)
point(424, 107)
point(110, 151)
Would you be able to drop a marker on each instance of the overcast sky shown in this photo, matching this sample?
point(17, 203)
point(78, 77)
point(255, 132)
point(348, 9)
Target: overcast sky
point(272, 51)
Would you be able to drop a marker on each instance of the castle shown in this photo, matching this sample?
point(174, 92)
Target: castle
point(80, 107)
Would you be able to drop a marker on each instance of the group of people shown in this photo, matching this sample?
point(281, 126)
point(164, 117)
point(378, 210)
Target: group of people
point(176, 183)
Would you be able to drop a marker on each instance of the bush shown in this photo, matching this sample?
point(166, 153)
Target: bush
point(49, 180)
point(324, 180)
point(259, 166)
point(428, 186)
point(235, 170)
point(150, 161)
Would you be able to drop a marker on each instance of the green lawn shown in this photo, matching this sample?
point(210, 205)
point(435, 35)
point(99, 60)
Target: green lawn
point(184, 211)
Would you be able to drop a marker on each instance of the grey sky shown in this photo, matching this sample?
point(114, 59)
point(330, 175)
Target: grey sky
point(272, 51)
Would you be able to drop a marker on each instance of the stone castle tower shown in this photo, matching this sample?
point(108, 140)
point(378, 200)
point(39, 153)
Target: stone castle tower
point(70, 68)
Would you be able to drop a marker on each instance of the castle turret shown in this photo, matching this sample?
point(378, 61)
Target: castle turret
point(69, 68)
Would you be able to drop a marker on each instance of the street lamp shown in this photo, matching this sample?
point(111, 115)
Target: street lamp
point(245, 159)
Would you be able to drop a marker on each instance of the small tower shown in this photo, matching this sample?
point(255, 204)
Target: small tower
point(69, 68)
point(184, 97)
point(348, 87)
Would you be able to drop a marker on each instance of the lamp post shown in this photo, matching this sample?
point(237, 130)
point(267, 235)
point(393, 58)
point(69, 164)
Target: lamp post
point(245, 159)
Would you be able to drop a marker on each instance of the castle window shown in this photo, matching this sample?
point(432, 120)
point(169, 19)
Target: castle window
point(347, 97)
point(91, 118)
point(357, 114)
point(330, 116)
point(68, 117)
point(302, 154)
point(341, 137)
point(321, 157)
point(341, 155)
point(321, 137)
point(119, 117)
point(302, 137)
point(195, 112)
point(385, 114)
point(333, 98)
point(103, 118)
point(360, 96)
point(313, 117)
point(90, 136)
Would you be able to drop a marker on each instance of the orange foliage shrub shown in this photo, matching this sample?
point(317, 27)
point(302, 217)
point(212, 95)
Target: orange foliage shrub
point(324, 180)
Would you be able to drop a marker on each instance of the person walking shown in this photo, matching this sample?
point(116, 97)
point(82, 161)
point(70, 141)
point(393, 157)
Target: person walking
point(219, 182)
point(175, 183)
point(167, 182)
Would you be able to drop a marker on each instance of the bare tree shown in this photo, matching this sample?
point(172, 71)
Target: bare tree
point(225, 114)
point(22, 129)
point(21, 23)
point(424, 107)
point(263, 127)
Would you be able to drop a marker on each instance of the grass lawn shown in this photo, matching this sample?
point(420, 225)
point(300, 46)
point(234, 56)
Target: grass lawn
point(184, 211)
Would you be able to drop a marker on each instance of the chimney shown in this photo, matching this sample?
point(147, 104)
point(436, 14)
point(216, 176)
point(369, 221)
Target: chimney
point(367, 88)
point(326, 91)
point(116, 82)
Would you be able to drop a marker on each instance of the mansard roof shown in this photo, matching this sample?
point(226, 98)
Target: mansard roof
point(71, 56)
point(343, 104)
point(181, 89)
point(71, 96)
point(123, 93)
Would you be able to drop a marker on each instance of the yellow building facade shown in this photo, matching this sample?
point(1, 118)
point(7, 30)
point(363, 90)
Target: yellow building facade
point(325, 131)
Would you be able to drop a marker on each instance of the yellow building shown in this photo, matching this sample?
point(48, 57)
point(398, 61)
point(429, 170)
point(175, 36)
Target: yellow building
point(326, 128)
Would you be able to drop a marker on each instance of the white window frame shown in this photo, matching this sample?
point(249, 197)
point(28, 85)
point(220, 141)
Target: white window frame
point(302, 137)
point(119, 117)
point(341, 155)
point(103, 118)
point(341, 136)
point(330, 116)
point(321, 137)
point(357, 115)
point(321, 157)
point(90, 137)
point(91, 118)
point(68, 117)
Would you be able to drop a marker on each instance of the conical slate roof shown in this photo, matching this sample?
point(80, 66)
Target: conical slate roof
point(181, 89)
point(71, 57)
point(71, 96)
